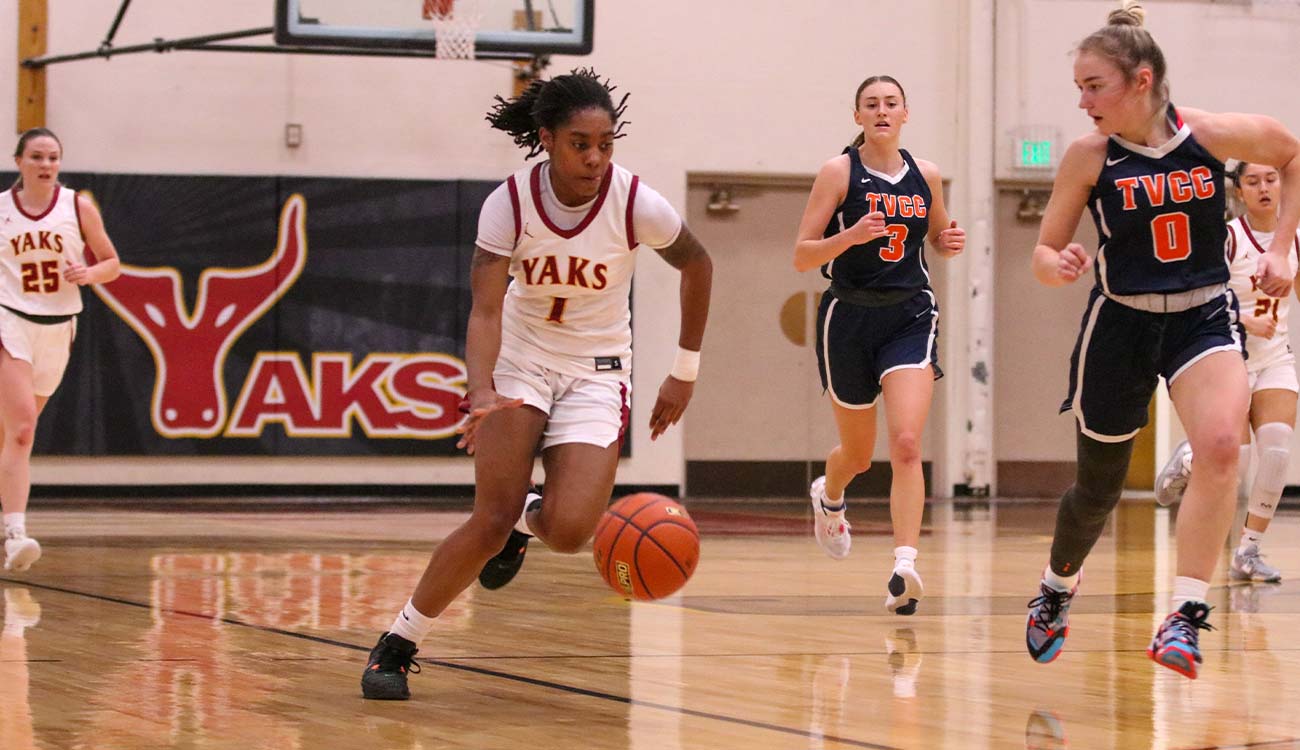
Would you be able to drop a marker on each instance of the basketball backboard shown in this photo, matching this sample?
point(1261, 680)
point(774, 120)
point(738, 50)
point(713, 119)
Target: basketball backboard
point(557, 26)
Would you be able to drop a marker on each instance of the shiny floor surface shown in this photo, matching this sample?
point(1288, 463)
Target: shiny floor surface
point(249, 631)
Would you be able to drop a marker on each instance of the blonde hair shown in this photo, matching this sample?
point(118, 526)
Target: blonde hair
point(1124, 42)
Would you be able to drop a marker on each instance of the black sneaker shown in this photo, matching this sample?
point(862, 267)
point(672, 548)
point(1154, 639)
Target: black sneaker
point(385, 675)
point(503, 566)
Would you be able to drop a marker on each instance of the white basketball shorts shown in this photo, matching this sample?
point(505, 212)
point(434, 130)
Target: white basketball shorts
point(579, 410)
point(1277, 374)
point(45, 347)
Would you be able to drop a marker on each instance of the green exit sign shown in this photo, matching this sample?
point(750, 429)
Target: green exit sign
point(1035, 154)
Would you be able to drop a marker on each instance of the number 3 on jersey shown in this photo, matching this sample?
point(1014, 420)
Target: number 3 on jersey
point(893, 249)
point(1172, 237)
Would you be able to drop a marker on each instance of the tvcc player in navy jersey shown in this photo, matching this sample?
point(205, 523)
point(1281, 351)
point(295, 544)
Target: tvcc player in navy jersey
point(1152, 177)
point(868, 217)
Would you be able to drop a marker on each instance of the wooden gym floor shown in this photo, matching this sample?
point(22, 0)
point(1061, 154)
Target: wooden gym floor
point(249, 631)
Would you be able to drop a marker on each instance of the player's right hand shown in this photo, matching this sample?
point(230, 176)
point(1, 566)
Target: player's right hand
point(482, 403)
point(868, 228)
point(1261, 326)
point(1073, 262)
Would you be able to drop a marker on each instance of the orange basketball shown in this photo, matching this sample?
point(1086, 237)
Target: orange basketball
point(647, 546)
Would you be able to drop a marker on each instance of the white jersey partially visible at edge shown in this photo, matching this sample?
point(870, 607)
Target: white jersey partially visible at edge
point(568, 301)
point(36, 243)
point(1245, 245)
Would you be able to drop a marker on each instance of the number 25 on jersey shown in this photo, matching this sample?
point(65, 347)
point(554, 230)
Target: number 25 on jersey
point(42, 277)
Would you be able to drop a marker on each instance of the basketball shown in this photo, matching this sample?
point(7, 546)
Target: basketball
point(646, 546)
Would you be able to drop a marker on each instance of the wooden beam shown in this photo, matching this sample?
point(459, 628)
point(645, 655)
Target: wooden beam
point(33, 21)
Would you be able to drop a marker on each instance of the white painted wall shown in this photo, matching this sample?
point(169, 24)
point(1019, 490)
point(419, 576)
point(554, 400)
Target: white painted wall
point(726, 86)
point(759, 86)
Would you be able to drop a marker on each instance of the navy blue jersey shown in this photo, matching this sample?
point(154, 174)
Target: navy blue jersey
point(897, 260)
point(1159, 214)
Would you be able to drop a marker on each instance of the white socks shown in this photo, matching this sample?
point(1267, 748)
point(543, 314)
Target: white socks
point(1248, 537)
point(15, 525)
point(1060, 583)
point(411, 625)
point(1189, 590)
point(904, 557)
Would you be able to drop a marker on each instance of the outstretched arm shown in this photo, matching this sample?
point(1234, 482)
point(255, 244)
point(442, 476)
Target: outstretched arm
point(1260, 140)
point(687, 255)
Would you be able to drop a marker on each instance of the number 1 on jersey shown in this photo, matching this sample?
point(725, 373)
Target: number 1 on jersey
point(557, 309)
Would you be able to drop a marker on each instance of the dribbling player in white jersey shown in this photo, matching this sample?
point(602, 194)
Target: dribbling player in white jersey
point(52, 242)
point(548, 350)
point(1270, 368)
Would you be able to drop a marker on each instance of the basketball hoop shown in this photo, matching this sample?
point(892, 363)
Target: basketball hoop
point(455, 27)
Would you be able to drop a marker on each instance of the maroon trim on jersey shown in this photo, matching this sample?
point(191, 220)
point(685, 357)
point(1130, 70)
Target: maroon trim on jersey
point(624, 414)
point(1232, 246)
point(1246, 225)
point(53, 202)
point(631, 201)
point(536, 183)
point(88, 252)
point(514, 206)
point(76, 209)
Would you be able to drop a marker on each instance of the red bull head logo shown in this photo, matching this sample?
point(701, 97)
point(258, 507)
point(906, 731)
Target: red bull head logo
point(189, 350)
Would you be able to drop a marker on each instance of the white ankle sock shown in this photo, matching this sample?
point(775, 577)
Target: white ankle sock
point(411, 624)
point(1188, 590)
point(904, 557)
point(532, 502)
point(1060, 583)
point(1249, 537)
point(15, 525)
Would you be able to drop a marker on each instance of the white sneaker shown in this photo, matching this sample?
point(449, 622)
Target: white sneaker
point(905, 590)
point(21, 553)
point(831, 526)
point(1171, 482)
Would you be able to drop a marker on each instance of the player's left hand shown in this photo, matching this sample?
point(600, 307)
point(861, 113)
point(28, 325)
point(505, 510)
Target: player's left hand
point(1274, 274)
point(480, 404)
point(76, 273)
point(952, 240)
point(674, 395)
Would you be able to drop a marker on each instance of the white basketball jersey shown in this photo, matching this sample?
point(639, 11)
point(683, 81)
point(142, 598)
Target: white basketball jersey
point(36, 248)
point(1245, 245)
point(567, 305)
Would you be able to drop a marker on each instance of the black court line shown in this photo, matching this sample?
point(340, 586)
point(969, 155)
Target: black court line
point(573, 689)
point(1293, 742)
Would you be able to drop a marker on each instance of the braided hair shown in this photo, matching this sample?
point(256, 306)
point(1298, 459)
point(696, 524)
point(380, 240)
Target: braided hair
point(550, 104)
point(23, 139)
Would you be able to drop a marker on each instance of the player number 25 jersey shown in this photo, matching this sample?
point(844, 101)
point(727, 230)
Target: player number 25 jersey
point(36, 244)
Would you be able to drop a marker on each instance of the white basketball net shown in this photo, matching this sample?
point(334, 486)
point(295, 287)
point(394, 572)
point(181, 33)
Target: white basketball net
point(454, 32)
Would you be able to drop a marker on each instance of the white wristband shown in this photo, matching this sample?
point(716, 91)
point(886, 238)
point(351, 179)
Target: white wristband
point(686, 367)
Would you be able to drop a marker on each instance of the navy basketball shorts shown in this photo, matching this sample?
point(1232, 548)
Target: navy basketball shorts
point(1122, 352)
point(857, 346)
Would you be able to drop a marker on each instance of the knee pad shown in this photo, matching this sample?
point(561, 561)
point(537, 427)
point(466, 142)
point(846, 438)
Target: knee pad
point(1274, 445)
